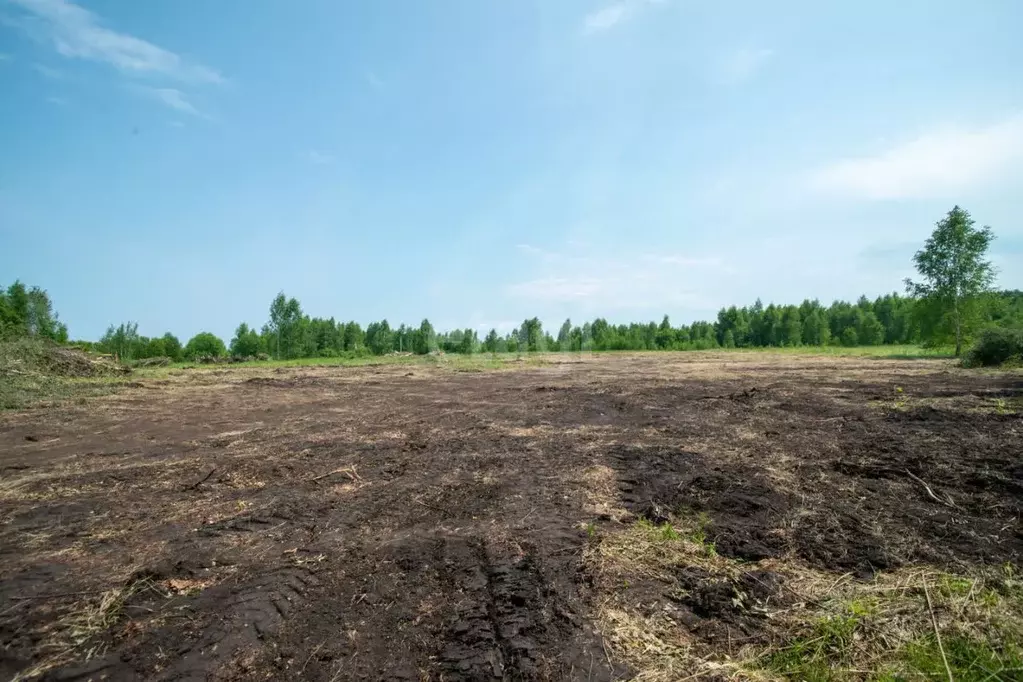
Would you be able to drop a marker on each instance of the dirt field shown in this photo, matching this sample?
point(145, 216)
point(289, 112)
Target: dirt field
point(429, 522)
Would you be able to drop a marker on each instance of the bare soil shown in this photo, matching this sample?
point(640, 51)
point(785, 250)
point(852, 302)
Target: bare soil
point(408, 523)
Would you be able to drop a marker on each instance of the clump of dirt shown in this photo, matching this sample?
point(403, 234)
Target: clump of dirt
point(744, 511)
point(715, 606)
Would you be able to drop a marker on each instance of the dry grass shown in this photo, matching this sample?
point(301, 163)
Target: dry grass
point(78, 634)
point(822, 626)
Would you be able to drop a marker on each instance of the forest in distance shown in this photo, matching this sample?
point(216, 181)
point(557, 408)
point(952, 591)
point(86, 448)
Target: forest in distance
point(952, 302)
point(291, 334)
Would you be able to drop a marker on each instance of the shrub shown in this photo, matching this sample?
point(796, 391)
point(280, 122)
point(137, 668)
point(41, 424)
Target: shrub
point(995, 346)
point(205, 344)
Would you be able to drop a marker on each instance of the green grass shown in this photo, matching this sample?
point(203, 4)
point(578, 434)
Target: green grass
point(969, 659)
point(889, 634)
point(503, 360)
point(459, 363)
point(815, 656)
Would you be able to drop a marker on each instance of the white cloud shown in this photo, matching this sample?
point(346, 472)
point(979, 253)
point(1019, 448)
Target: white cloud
point(176, 124)
point(605, 18)
point(640, 282)
point(57, 101)
point(5, 57)
point(320, 158)
point(688, 261)
point(502, 326)
point(49, 72)
point(175, 99)
point(613, 14)
point(75, 32)
point(743, 64)
point(934, 164)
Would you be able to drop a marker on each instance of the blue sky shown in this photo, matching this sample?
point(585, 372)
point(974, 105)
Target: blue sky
point(178, 162)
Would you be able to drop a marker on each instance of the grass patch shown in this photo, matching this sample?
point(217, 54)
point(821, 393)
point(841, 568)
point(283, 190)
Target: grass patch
point(890, 630)
point(480, 362)
point(818, 626)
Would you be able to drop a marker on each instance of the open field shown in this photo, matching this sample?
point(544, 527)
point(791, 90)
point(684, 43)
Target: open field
point(655, 516)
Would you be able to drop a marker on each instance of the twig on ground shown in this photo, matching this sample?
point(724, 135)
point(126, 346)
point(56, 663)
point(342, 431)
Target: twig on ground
point(937, 635)
point(431, 506)
point(966, 599)
point(947, 503)
point(835, 584)
point(348, 471)
point(58, 596)
point(205, 478)
point(318, 647)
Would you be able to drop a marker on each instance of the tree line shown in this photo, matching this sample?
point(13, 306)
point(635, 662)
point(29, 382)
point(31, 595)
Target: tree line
point(951, 302)
point(291, 334)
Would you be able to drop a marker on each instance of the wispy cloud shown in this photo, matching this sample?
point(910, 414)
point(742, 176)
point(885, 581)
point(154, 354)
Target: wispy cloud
point(744, 63)
point(638, 282)
point(5, 57)
point(937, 163)
point(57, 101)
point(687, 261)
point(77, 33)
point(175, 99)
point(373, 80)
point(613, 14)
point(49, 72)
point(176, 124)
point(320, 158)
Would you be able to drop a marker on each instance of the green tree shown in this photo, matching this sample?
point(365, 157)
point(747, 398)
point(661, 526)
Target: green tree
point(426, 338)
point(246, 341)
point(849, 337)
point(205, 343)
point(172, 347)
point(379, 338)
point(490, 342)
point(29, 312)
point(17, 303)
point(664, 337)
point(42, 320)
point(815, 329)
point(565, 335)
point(954, 271)
point(869, 330)
point(468, 343)
point(285, 326)
point(122, 341)
point(153, 348)
point(531, 337)
point(792, 327)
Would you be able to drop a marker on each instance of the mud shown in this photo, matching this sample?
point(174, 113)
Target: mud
point(375, 523)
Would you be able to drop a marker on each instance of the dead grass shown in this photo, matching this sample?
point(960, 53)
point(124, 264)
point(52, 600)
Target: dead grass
point(907, 624)
point(78, 634)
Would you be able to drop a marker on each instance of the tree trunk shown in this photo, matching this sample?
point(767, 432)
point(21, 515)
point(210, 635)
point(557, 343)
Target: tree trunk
point(959, 332)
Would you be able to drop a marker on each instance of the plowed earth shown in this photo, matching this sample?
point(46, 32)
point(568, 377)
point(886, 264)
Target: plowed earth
point(408, 523)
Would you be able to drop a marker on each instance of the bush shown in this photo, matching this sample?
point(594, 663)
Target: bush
point(205, 344)
point(996, 346)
